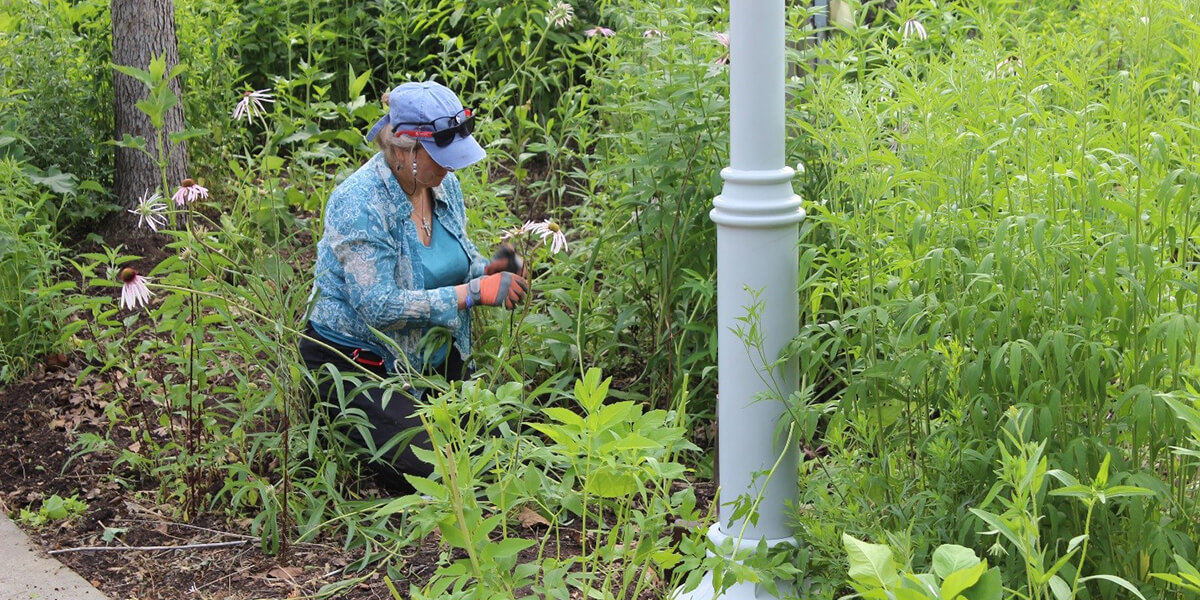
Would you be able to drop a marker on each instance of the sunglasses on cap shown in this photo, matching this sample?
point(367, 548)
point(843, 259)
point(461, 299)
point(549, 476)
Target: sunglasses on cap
point(444, 128)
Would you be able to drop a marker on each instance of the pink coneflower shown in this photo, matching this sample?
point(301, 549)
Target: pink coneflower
point(561, 15)
point(134, 292)
point(251, 105)
point(189, 191)
point(149, 211)
point(601, 31)
point(913, 27)
point(724, 39)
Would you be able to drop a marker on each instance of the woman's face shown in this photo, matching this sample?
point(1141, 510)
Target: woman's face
point(429, 173)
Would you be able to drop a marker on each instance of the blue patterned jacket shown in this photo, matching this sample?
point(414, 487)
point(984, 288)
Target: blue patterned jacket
point(368, 274)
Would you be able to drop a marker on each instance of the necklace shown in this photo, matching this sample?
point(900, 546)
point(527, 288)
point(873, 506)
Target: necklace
point(426, 226)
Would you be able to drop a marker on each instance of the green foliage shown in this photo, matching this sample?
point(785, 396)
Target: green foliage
point(612, 473)
point(1000, 218)
point(957, 573)
point(30, 254)
point(54, 509)
point(57, 109)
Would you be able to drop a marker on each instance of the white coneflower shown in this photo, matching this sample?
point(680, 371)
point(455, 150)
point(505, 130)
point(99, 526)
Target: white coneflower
point(189, 191)
point(251, 105)
point(134, 292)
point(561, 15)
point(599, 31)
point(149, 211)
point(544, 230)
point(1008, 66)
point(913, 27)
point(649, 33)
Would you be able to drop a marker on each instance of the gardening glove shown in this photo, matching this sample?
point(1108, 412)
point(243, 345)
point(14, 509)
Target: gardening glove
point(506, 259)
point(498, 289)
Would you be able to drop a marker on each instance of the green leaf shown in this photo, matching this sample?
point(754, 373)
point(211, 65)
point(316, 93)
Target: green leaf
point(451, 534)
point(358, 83)
point(632, 441)
point(998, 525)
point(1119, 491)
point(989, 587)
point(506, 548)
point(187, 134)
point(57, 181)
point(558, 436)
point(870, 564)
point(564, 416)
point(129, 141)
point(949, 558)
point(607, 482)
point(158, 67)
point(1187, 570)
point(1114, 579)
point(962, 579)
point(1074, 491)
point(1059, 588)
point(136, 73)
point(428, 487)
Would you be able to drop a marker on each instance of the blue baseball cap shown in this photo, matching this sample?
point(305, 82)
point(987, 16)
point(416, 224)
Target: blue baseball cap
point(430, 106)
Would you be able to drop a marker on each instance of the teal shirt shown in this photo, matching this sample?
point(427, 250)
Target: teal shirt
point(445, 264)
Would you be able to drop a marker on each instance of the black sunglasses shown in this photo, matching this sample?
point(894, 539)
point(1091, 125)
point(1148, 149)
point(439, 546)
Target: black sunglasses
point(444, 128)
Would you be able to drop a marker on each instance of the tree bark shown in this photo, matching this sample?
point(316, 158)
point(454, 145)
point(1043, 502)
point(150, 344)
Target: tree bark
point(143, 29)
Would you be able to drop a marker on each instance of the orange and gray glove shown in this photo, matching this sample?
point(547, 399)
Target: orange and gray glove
point(506, 260)
point(498, 289)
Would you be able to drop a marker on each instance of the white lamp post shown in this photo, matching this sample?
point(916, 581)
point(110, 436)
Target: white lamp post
point(757, 217)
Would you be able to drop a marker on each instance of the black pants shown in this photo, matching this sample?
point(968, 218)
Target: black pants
point(395, 421)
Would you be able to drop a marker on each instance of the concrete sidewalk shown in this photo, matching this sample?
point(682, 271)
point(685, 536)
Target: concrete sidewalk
point(28, 574)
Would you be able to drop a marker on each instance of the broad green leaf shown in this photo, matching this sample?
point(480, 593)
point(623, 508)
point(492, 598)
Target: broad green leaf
point(451, 534)
point(564, 416)
point(187, 134)
point(926, 583)
point(1059, 588)
point(1114, 579)
point(607, 482)
point(1102, 475)
point(609, 415)
point(428, 487)
point(1120, 491)
point(136, 73)
point(1074, 491)
point(632, 441)
point(870, 564)
point(1186, 569)
point(57, 181)
point(506, 548)
point(949, 558)
point(962, 579)
point(358, 83)
point(558, 436)
point(989, 587)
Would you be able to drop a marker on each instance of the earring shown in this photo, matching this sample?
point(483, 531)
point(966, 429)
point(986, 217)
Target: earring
point(414, 167)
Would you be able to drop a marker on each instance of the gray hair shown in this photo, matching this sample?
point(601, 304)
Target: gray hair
point(387, 141)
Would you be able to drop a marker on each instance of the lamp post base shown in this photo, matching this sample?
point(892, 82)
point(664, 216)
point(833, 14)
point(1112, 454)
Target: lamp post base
point(740, 591)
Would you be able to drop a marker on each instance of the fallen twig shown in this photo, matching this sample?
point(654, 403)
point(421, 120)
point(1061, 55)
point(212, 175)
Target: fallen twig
point(133, 548)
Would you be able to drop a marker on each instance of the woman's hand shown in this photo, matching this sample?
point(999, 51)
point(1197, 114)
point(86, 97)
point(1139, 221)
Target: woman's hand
point(507, 260)
point(498, 289)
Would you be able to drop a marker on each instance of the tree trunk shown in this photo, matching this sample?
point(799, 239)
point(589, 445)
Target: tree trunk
point(143, 29)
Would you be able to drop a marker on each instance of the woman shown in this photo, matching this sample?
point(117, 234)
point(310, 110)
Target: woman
point(394, 265)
